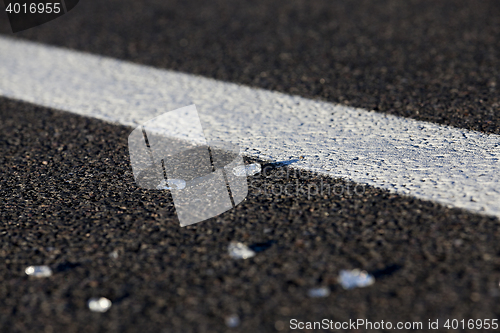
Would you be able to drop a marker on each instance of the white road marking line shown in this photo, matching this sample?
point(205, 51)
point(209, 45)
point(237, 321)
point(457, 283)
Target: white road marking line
point(451, 166)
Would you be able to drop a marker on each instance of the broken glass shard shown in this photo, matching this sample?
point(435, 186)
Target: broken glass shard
point(232, 321)
point(239, 250)
point(114, 255)
point(247, 170)
point(253, 169)
point(355, 278)
point(240, 171)
point(99, 304)
point(38, 271)
point(318, 292)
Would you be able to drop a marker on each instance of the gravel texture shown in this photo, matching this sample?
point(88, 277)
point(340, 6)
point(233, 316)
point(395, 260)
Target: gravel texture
point(433, 61)
point(69, 201)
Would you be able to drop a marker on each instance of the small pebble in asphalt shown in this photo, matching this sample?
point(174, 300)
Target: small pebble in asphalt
point(99, 304)
point(239, 250)
point(232, 321)
point(355, 278)
point(319, 292)
point(38, 271)
point(247, 170)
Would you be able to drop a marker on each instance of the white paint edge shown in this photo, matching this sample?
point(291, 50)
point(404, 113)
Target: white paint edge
point(454, 167)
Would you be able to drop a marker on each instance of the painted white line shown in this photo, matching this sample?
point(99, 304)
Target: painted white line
point(452, 166)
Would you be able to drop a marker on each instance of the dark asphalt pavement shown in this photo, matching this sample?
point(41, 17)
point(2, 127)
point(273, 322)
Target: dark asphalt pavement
point(68, 198)
point(431, 60)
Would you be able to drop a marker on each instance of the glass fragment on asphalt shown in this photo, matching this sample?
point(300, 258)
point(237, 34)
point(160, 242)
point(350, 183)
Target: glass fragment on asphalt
point(240, 171)
point(101, 304)
point(171, 184)
point(114, 255)
point(38, 271)
point(253, 169)
point(247, 170)
point(232, 321)
point(355, 278)
point(319, 292)
point(239, 250)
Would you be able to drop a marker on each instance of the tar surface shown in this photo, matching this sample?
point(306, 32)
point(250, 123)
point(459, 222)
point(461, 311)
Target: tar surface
point(436, 61)
point(69, 201)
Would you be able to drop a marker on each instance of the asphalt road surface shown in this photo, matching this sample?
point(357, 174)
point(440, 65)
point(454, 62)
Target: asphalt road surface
point(432, 61)
point(69, 199)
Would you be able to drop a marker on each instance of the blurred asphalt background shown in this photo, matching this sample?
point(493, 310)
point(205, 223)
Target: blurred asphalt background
point(68, 197)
